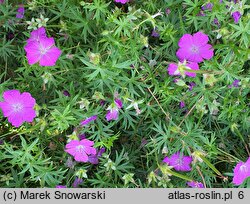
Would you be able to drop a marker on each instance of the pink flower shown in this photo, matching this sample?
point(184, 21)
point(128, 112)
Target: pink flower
point(77, 182)
point(236, 16)
point(35, 35)
point(208, 6)
point(18, 107)
point(234, 84)
point(155, 33)
point(66, 93)
point(81, 150)
point(41, 49)
point(93, 159)
point(113, 110)
point(191, 85)
point(182, 104)
point(174, 69)
point(20, 11)
point(194, 48)
point(59, 186)
point(167, 11)
point(241, 172)
point(195, 184)
point(112, 114)
point(179, 162)
point(118, 103)
point(122, 1)
point(88, 120)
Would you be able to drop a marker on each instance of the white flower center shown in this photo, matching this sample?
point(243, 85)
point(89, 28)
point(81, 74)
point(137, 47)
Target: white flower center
point(176, 72)
point(243, 168)
point(179, 162)
point(181, 69)
point(80, 148)
point(17, 107)
point(194, 49)
point(43, 50)
point(196, 185)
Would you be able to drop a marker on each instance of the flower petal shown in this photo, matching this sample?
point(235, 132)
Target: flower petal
point(195, 58)
point(185, 40)
point(72, 144)
point(28, 114)
point(37, 34)
point(27, 100)
point(207, 51)
point(172, 69)
point(50, 57)
point(16, 119)
point(6, 109)
point(193, 66)
point(33, 53)
point(11, 96)
point(71, 151)
point(86, 143)
point(183, 53)
point(90, 150)
point(47, 42)
point(81, 157)
point(200, 39)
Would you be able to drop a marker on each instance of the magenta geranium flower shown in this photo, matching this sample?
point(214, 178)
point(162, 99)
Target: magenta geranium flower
point(241, 172)
point(182, 104)
point(66, 93)
point(236, 16)
point(35, 35)
point(122, 1)
point(43, 52)
point(155, 33)
point(88, 120)
point(179, 162)
point(234, 84)
point(191, 85)
point(194, 48)
point(18, 107)
point(118, 103)
point(113, 110)
point(41, 49)
point(77, 182)
point(20, 12)
point(195, 184)
point(112, 114)
point(59, 186)
point(179, 69)
point(208, 6)
point(93, 159)
point(81, 150)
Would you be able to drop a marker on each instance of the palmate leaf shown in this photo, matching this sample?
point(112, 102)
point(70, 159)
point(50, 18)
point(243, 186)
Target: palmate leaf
point(6, 15)
point(18, 180)
point(29, 160)
point(49, 176)
point(102, 182)
point(242, 31)
point(62, 119)
point(132, 63)
point(6, 49)
point(79, 22)
point(99, 7)
point(107, 142)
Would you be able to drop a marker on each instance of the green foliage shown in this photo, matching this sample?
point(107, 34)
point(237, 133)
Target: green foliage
point(30, 158)
point(108, 52)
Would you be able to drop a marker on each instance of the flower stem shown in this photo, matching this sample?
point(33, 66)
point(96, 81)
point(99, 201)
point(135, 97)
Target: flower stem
point(203, 71)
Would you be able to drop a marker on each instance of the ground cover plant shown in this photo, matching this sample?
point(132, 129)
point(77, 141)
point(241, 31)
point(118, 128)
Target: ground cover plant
point(125, 93)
